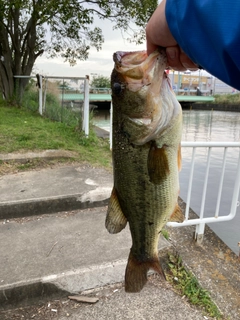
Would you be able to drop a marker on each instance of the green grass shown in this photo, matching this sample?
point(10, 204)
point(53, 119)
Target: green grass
point(188, 286)
point(53, 108)
point(165, 234)
point(227, 98)
point(23, 130)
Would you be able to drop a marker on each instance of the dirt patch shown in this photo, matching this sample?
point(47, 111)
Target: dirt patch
point(12, 166)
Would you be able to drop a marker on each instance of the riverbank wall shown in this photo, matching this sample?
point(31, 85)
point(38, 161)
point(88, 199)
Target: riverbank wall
point(212, 106)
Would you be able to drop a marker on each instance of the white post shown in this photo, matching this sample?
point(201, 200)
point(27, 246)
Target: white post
point(235, 202)
point(199, 232)
point(205, 183)
point(190, 184)
point(85, 123)
point(110, 132)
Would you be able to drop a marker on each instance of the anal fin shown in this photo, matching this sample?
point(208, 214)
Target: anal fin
point(136, 272)
point(115, 219)
point(177, 215)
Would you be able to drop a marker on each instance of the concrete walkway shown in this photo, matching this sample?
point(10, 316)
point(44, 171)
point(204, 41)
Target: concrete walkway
point(47, 253)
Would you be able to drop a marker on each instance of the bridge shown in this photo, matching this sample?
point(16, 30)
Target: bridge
point(106, 97)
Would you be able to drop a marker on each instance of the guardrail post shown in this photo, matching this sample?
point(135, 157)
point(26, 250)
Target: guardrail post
point(85, 123)
point(199, 232)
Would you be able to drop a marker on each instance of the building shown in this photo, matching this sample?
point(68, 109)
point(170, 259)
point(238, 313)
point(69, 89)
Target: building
point(189, 83)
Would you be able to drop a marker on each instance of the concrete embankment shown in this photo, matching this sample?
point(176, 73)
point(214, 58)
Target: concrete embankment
point(212, 106)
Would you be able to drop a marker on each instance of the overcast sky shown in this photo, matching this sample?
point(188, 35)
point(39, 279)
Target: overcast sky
point(100, 63)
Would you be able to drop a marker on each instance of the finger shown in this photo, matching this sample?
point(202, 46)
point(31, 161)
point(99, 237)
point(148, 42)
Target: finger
point(173, 57)
point(187, 62)
point(151, 47)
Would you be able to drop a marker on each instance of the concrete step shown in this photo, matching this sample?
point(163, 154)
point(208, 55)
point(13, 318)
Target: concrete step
point(60, 254)
point(48, 190)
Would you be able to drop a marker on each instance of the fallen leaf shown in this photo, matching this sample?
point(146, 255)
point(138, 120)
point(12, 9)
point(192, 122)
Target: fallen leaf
point(84, 299)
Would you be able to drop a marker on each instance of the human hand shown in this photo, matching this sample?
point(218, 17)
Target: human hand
point(159, 35)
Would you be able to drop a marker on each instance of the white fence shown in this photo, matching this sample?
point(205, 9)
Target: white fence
point(70, 99)
point(85, 113)
point(201, 221)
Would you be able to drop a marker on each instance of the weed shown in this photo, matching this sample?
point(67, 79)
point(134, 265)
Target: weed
point(227, 98)
point(165, 234)
point(54, 109)
point(188, 286)
point(30, 100)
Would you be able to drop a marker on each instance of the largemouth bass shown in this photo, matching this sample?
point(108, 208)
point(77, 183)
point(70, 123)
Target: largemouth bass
point(147, 127)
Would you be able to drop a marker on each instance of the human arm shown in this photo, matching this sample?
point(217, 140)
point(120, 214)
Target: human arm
point(159, 34)
point(208, 32)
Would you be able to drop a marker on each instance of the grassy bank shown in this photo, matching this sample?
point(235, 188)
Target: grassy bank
point(227, 99)
point(22, 130)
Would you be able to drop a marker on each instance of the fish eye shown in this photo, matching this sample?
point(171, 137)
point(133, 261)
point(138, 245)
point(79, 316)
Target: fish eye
point(117, 88)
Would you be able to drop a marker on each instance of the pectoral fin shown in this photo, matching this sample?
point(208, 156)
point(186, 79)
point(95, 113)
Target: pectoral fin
point(115, 219)
point(177, 215)
point(158, 167)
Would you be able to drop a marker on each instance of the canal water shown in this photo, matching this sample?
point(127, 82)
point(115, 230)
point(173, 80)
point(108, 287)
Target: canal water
point(207, 126)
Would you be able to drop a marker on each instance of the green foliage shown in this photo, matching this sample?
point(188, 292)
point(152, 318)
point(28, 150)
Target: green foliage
point(63, 86)
point(165, 234)
point(189, 287)
point(30, 100)
point(3, 102)
point(60, 28)
point(101, 82)
point(54, 110)
point(227, 98)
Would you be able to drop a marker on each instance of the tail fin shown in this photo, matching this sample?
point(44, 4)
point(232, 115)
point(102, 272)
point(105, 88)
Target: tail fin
point(136, 273)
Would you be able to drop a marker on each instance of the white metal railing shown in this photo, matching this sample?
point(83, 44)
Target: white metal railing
point(85, 120)
point(41, 105)
point(201, 221)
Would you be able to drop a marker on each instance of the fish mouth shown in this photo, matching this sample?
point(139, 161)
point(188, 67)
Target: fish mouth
point(138, 69)
point(127, 59)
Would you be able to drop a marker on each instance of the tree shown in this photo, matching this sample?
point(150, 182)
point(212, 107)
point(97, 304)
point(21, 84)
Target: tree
point(100, 82)
point(65, 28)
